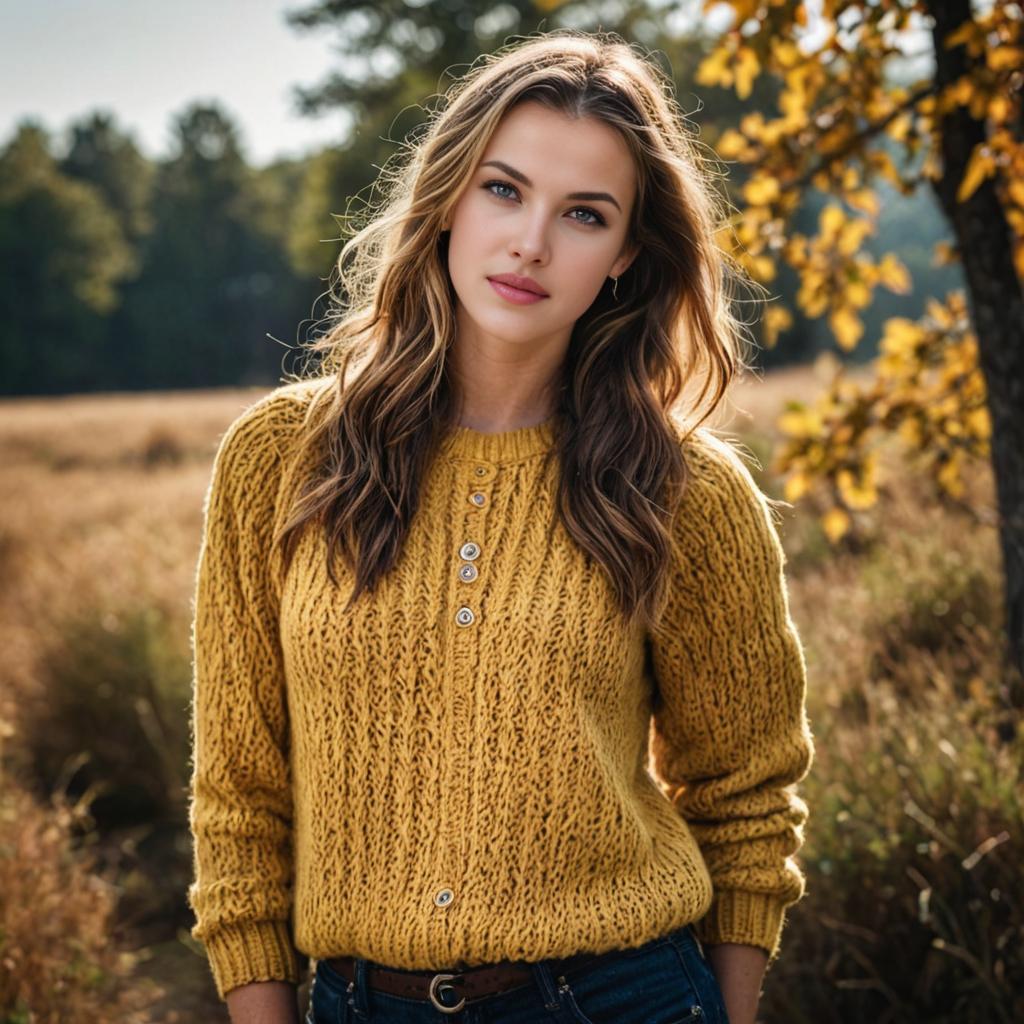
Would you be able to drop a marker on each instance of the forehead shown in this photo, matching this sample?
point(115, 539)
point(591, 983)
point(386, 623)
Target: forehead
point(565, 153)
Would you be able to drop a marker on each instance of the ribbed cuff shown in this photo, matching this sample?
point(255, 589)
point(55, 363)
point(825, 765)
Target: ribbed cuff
point(749, 918)
point(254, 951)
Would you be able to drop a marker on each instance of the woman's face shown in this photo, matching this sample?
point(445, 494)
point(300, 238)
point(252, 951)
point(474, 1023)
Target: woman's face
point(550, 200)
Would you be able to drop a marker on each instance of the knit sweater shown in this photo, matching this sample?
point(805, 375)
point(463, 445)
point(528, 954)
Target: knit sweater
point(479, 761)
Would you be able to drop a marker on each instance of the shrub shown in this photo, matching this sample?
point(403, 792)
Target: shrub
point(113, 715)
point(56, 920)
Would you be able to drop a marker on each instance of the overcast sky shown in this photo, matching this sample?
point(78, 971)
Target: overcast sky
point(145, 61)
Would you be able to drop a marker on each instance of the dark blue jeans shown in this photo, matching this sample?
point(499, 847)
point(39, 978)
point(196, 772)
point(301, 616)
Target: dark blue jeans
point(664, 981)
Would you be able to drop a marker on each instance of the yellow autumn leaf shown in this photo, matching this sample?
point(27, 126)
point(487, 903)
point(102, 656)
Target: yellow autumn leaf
point(1016, 191)
point(746, 70)
point(776, 319)
point(1004, 58)
point(909, 431)
point(786, 52)
point(846, 326)
point(1000, 107)
point(865, 199)
point(898, 127)
point(858, 294)
point(961, 35)
point(732, 144)
point(830, 222)
point(949, 476)
point(714, 69)
point(980, 166)
point(893, 274)
point(859, 493)
point(835, 523)
point(852, 235)
point(761, 189)
point(800, 423)
point(979, 423)
point(796, 486)
point(900, 336)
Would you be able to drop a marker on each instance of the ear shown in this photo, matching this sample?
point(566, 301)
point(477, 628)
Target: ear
point(623, 263)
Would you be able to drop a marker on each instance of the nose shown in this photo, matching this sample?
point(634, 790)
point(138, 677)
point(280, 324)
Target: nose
point(530, 243)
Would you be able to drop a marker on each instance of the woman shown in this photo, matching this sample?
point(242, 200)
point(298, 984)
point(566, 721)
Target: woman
point(454, 591)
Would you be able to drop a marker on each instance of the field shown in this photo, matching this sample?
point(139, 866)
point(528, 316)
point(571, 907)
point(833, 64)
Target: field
point(914, 908)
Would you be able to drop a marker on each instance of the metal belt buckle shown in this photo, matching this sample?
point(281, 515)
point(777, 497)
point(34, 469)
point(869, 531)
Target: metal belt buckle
point(440, 981)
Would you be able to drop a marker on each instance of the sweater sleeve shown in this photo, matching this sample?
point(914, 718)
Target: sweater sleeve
point(240, 810)
point(730, 736)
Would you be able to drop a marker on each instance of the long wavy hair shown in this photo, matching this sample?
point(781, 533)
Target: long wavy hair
point(625, 400)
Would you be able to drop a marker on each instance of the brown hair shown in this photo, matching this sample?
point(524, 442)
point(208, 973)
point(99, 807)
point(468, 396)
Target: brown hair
point(628, 363)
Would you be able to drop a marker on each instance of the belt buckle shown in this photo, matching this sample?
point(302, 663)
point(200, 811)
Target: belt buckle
point(440, 981)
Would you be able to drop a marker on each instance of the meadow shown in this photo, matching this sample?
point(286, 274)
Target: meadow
point(914, 909)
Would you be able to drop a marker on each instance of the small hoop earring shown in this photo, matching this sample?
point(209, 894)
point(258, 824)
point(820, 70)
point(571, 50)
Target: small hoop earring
point(615, 286)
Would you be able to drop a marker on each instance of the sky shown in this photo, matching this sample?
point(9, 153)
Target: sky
point(145, 62)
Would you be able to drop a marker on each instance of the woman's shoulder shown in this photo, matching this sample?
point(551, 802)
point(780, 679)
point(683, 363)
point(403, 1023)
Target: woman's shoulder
point(267, 430)
point(715, 462)
point(720, 487)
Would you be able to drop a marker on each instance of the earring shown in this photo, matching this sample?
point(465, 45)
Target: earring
point(615, 286)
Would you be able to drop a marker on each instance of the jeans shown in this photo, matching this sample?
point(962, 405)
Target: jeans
point(665, 981)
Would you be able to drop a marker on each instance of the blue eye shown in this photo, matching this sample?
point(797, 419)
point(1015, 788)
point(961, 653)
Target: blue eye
point(597, 220)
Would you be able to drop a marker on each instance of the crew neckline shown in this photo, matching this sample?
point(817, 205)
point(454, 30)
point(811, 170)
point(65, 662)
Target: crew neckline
point(501, 446)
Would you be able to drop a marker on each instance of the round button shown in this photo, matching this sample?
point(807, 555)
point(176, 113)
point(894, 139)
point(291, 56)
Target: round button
point(481, 471)
point(469, 551)
point(443, 897)
point(464, 616)
point(478, 499)
point(468, 572)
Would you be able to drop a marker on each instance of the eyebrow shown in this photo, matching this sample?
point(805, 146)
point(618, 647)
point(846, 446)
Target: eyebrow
point(520, 177)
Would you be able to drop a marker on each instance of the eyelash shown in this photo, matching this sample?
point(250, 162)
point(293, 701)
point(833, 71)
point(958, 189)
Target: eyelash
point(599, 222)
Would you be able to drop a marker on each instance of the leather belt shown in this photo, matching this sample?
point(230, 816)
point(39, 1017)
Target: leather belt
point(471, 983)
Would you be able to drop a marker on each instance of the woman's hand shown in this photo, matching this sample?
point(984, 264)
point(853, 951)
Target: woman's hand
point(264, 1002)
point(740, 970)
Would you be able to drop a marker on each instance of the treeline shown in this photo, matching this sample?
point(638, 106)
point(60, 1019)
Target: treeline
point(120, 273)
point(201, 271)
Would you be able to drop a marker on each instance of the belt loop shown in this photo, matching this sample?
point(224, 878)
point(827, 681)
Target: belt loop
point(545, 982)
point(359, 989)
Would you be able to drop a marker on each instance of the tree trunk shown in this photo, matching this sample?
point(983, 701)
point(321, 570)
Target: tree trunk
point(997, 312)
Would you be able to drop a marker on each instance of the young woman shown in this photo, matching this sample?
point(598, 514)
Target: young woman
point(460, 590)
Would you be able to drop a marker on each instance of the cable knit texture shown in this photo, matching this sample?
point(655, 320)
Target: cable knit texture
point(479, 762)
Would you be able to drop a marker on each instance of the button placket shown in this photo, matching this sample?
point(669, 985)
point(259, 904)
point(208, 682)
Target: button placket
point(478, 499)
point(474, 483)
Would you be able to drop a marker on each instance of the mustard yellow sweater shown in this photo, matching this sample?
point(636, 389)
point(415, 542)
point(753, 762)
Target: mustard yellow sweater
point(457, 770)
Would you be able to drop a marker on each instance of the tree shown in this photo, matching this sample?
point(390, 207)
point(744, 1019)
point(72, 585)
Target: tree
point(109, 159)
point(213, 272)
point(950, 385)
point(64, 256)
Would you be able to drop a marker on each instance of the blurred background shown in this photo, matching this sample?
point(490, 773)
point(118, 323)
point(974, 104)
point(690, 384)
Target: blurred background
point(175, 181)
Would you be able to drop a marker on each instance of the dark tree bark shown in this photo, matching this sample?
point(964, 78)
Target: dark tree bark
point(994, 298)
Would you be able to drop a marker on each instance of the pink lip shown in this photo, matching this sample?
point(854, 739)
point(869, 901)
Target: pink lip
point(517, 295)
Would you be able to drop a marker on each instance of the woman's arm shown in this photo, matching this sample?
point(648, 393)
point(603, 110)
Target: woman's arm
point(731, 738)
point(240, 813)
point(740, 971)
point(263, 1002)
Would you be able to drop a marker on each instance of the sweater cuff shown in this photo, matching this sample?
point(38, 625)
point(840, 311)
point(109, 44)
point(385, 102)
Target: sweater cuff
point(254, 951)
point(748, 918)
